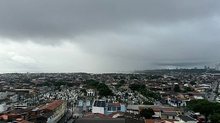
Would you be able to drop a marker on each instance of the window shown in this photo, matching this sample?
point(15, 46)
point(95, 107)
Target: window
point(113, 108)
point(119, 108)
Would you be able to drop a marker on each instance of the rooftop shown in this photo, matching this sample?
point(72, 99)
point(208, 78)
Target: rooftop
point(53, 105)
point(101, 120)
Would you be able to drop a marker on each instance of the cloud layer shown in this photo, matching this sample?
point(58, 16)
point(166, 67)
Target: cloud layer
point(110, 36)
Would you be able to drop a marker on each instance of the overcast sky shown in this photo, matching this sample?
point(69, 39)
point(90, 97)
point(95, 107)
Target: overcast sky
point(107, 35)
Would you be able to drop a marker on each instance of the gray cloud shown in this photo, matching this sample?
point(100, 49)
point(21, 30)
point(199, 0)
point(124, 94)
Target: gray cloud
point(119, 34)
point(55, 19)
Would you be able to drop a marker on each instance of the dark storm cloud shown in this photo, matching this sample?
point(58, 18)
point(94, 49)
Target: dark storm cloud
point(114, 34)
point(64, 19)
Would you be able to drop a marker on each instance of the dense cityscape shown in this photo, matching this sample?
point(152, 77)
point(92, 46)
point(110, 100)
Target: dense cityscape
point(109, 61)
point(154, 96)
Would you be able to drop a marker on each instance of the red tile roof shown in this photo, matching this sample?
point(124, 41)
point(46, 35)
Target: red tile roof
point(149, 121)
point(24, 121)
point(114, 104)
point(53, 105)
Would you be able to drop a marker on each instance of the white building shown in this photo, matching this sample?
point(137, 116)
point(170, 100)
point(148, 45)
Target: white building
point(90, 92)
point(176, 102)
point(3, 95)
point(185, 119)
point(102, 107)
point(3, 107)
point(53, 111)
point(99, 107)
point(198, 97)
point(14, 98)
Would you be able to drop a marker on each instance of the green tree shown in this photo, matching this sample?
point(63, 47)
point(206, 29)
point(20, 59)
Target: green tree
point(137, 87)
point(120, 83)
point(193, 83)
point(176, 88)
point(59, 83)
point(141, 88)
point(92, 83)
point(147, 113)
point(148, 103)
point(187, 89)
point(104, 90)
point(204, 107)
point(215, 118)
point(83, 91)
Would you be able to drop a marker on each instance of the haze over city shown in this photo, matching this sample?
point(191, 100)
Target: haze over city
point(107, 35)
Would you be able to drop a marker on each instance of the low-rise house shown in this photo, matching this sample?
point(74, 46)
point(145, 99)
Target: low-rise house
point(90, 92)
point(102, 107)
point(3, 107)
point(162, 112)
point(175, 102)
point(186, 119)
point(99, 106)
point(16, 118)
point(3, 95)
point(50, 112)
point(170, 115)
point(115, 107)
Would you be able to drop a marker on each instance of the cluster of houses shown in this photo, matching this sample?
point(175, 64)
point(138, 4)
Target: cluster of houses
point(50, 112)
point(86, 103)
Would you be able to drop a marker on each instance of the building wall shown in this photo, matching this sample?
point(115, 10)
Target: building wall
point(112, 109)
point(3, 95)
point(3, 107)
point(123, 108)
point(58, 113)
point(100, 110)
point(133, 111)
point(182, 103)
point(158, 114)
point(181, 121)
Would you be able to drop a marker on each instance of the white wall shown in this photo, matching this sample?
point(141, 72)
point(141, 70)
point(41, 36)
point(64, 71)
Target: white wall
point(3, 107)
point(3, 95)
point(100, 110)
